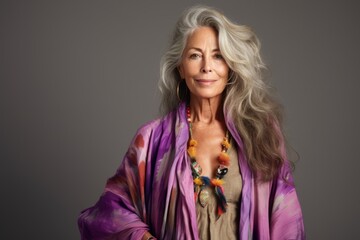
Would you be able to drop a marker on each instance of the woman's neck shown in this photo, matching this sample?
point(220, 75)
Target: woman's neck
point(206, 111)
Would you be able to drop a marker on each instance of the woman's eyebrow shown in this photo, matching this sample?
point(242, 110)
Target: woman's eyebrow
point(200, 50)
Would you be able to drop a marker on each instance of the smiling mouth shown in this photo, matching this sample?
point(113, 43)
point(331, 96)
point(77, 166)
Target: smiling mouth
point(205, 81)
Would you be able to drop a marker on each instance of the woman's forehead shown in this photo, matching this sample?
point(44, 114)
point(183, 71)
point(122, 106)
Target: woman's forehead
point(203, 37)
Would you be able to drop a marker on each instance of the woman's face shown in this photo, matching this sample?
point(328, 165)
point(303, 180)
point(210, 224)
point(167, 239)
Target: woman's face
point(202, 66)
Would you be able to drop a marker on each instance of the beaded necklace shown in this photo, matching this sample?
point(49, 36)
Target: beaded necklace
point(201, 183)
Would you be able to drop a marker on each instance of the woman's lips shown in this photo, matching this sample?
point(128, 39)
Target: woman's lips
point(205, 81)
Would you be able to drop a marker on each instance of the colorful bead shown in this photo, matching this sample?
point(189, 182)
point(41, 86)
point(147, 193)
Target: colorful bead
point(203, 197)
point(225, 144)
point(197, 168)
point(192, 152)
point(198, 181)
point(221, 172)
point(224, 159)
point(192, 143)
point(217, 182)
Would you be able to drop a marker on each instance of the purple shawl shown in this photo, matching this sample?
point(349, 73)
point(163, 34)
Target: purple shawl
point(153, 191)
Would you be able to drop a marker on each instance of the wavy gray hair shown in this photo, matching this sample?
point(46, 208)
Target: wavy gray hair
point(246, 99)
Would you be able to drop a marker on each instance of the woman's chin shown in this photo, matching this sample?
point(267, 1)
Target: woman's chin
point(206, 95)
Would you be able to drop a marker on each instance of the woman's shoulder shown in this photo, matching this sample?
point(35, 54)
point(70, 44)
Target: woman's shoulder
point(149, 126)
point(161, 123)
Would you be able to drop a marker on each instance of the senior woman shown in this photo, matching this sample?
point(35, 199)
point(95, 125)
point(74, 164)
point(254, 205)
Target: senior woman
point(214, 166)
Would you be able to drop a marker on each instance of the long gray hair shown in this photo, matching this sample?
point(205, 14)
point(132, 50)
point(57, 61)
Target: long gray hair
point(247, 100)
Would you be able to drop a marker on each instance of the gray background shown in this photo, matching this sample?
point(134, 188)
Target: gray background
point(79, 77)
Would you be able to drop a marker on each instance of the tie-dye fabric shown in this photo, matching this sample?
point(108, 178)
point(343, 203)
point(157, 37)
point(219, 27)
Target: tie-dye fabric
point(153, 191)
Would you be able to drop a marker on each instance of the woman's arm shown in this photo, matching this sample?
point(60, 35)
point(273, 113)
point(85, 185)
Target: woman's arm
point(286, 220)
point(286, 216)
point(120, 212)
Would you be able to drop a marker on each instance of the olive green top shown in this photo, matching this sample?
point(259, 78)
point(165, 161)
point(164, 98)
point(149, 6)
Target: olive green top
point(227, 226)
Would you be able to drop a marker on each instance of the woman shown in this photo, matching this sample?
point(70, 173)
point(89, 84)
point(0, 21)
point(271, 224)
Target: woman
point(214, 166)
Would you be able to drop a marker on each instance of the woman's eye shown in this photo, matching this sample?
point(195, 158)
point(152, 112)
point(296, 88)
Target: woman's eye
point(195, 56)
point(218, 56)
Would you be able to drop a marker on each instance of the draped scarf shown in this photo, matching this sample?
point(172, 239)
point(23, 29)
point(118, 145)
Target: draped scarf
point(152, 190)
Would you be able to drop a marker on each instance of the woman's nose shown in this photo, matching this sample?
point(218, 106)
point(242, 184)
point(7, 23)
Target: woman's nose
point(206, 67)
